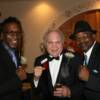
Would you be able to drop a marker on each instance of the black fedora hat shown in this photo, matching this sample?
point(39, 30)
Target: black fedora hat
point(82, 26)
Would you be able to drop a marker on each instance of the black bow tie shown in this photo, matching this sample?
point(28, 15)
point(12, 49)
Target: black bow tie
point(51, 58)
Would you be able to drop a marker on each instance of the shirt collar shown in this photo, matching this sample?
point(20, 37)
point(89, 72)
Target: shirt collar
point(90, 50)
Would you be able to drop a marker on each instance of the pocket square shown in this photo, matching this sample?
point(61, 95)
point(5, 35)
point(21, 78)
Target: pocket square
point(95, 71)
point(43, 61)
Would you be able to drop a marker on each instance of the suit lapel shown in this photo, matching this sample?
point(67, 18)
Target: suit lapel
point(8, 58)
point(64, 70)
point(48, 79)
point(93, 59)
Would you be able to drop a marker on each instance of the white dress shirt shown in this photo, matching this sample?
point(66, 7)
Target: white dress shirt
point(54, 67)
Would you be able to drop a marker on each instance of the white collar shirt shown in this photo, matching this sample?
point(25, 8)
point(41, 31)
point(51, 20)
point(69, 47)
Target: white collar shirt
point(54, 67)
point(88, 53)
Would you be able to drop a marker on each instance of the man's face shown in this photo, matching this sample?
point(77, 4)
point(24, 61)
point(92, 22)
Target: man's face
point(85, 40)
point(12, 35)
point(54, 44)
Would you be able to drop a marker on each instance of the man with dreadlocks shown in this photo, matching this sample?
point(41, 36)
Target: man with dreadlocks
point(11, 72)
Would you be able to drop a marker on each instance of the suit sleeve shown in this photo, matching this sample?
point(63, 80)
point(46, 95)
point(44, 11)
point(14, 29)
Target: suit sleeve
point(9, 85)
point(41, 88)
point(94, 80)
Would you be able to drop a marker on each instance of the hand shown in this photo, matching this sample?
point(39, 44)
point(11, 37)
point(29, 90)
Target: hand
point(26, 86)
point(84, 73)
point(58, 85)
point(38, 70)
point(21, 73)
point(62, 91)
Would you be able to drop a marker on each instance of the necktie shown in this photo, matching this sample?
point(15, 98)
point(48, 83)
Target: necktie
point(52, 58)
point(85, 60)
point(13, 57)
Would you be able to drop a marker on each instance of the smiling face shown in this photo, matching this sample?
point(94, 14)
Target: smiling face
point(54, 44)
point(11, 35)
point(85, 40)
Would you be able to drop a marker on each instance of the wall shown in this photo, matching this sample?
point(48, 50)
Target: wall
point(37, 16)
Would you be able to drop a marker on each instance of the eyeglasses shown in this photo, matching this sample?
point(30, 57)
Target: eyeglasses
point(13, 34)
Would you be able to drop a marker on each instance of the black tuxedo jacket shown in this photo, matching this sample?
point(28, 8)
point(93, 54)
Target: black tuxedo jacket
point(67, 76)
point(92, 86)
point(9, 81)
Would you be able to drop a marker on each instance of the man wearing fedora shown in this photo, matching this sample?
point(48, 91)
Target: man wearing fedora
point(89, 71)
